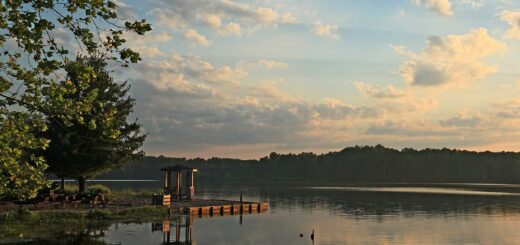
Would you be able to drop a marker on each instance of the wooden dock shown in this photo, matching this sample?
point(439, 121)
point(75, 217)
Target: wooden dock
point(211, 207)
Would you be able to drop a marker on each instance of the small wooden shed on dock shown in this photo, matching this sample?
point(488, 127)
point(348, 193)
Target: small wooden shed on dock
point(178, 190)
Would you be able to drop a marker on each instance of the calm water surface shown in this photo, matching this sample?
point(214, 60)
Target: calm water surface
point(437, 214)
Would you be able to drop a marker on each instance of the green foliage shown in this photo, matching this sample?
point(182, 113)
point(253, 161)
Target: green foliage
point(30, 63)
point(70, 188)
point(107, 141)
point(98, 189)
point(22, 171)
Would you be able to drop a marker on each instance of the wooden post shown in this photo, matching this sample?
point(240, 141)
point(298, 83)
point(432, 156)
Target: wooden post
point(62, 185)
point(192, 186)
point(177, 231)
point(179, 185)
point(167, 181)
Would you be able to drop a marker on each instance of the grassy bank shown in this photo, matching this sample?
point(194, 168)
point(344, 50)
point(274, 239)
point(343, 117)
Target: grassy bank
point(20, 222)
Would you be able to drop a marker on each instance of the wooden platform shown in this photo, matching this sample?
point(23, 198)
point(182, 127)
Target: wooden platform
point(211, 207)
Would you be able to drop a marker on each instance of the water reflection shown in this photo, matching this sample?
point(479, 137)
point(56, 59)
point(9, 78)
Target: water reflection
point(182, 229)
point(337, 216)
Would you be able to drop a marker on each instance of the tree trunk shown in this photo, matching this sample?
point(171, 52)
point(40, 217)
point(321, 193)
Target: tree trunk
point(81, 184)
point(62, 186)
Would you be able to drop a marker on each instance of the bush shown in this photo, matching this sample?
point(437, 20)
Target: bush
point(98, 189)
point(70, 188)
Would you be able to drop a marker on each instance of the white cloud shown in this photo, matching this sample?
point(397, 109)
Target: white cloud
point(184, 14)
point(231, 28)
point(212, 20)
point(442, 7)
point(325, 30)
point(267, 15)
point(377, 92)
point(451, 60)
point(200, 39)
point(473, 3)
point(167, 18)
point(263, 63)
point(513, 19)
point(288, 18)
point(147, 45)
point(180, 72)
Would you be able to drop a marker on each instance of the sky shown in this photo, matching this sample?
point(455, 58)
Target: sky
point(237, 78)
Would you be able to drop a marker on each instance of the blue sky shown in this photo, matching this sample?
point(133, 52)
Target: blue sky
point(244, 78)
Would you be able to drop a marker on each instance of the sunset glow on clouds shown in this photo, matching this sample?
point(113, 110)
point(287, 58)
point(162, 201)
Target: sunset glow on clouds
point(242, 78)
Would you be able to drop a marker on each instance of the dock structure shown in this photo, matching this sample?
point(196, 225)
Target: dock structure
point(180, 196)
point(211, 207)
point(179, 190)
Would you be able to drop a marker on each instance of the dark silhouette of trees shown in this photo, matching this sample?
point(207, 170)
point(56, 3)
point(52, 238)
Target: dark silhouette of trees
point(350, 165)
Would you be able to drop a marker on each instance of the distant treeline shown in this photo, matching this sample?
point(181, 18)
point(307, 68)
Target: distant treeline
point(350, 165)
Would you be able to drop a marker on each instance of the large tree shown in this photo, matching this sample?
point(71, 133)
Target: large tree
point(107, 140)
point(31, 61)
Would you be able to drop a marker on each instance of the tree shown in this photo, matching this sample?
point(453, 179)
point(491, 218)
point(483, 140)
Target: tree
point(21, 170)
point(31, 62)
point(84, 150)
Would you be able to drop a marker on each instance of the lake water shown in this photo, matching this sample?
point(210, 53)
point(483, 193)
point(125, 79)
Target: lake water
point(397, 214)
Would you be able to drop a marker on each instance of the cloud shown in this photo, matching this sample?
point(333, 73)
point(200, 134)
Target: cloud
point(508, 109)
point(272, 64)
point(176, 72)
point(513, 19)
point(394, 101)
point(377, 92)
point(225, 16)
point(442, 7)
point(231, 29)
point(408, 128)
point(124, 11)
point(185, 102)
point(325, 30)
point(473, 3)
point(263, 63)
point(463, 119)
point(451, 60)
point(266, 15)
point(199, 118)
point(198, 38)
point(212, 20)
point(147, 45)
point(288, 18)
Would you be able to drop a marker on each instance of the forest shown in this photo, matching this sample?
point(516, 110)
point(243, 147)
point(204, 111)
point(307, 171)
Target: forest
point(350, 165)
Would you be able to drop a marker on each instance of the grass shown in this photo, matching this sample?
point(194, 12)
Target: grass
point(99, 188)
point(47, 217)
point(22, 221)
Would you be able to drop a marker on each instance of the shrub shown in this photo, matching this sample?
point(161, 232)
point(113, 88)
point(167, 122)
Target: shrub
point(98, 189)
point(70, 188)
